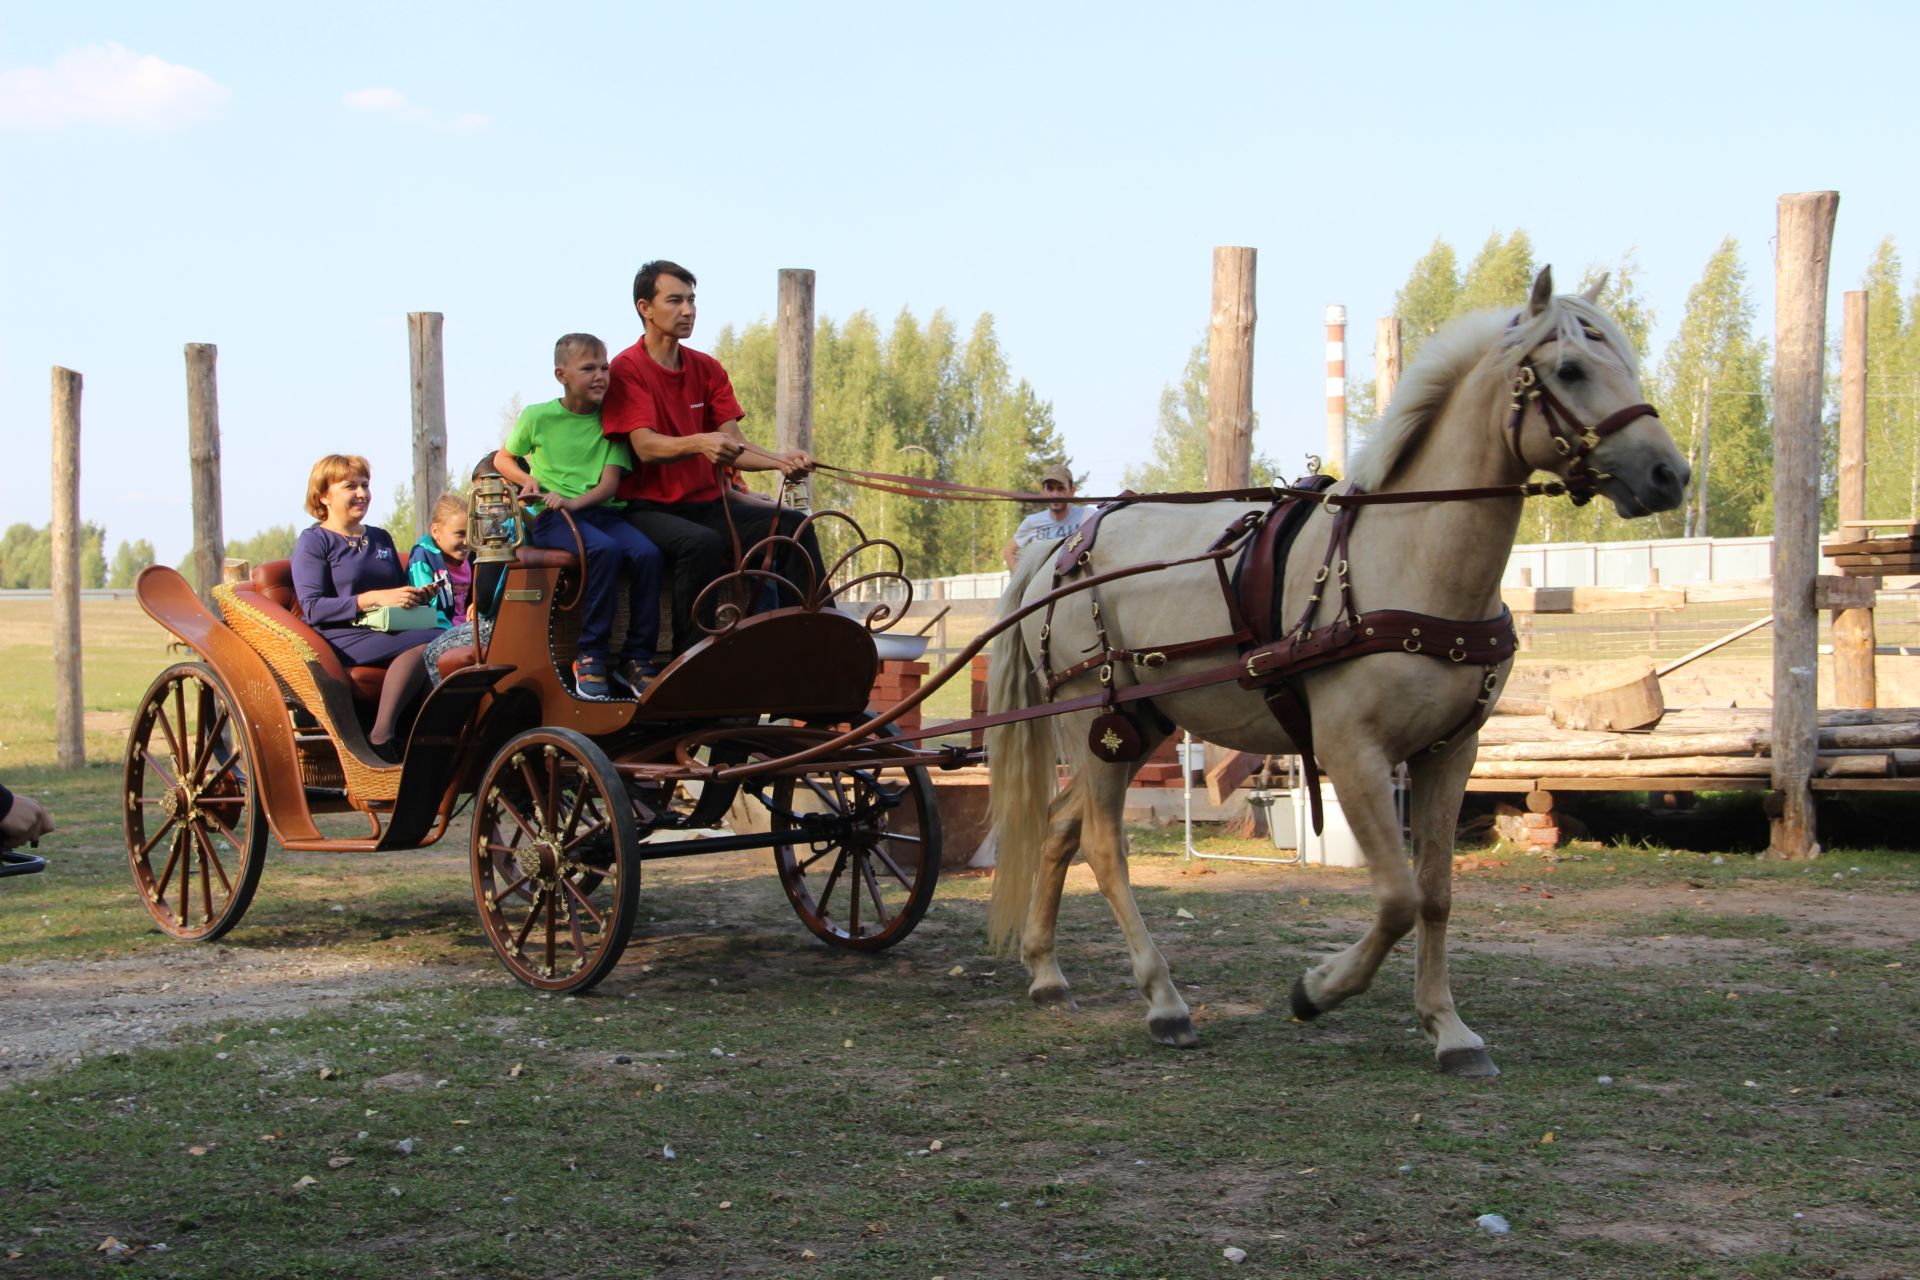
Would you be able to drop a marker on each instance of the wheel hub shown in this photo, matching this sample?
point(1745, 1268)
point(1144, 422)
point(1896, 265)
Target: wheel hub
point(539, 860)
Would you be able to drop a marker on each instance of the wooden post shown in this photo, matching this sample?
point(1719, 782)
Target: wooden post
point(424, 330)
point(1854, 677)
point(69, 730)
point(1337, 389)
point(203, 458)
point(1230, 369)
point(1386, 362)
point(793, 376)
point(1803, 248)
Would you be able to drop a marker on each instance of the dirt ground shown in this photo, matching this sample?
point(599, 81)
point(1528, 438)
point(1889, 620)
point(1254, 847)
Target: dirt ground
point(55, 1013)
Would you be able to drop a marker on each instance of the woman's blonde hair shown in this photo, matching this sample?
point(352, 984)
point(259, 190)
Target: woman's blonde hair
point(327, 472)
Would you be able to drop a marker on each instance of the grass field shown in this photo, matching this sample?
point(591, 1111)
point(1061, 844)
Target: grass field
point(738, 1101)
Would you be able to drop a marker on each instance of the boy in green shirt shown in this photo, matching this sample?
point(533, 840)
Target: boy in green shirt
point(575, 468)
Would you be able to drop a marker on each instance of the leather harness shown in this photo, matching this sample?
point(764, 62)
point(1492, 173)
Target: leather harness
point(1275, 660)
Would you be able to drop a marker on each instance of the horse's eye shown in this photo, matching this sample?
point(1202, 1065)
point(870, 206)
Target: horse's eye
point(1570, 373)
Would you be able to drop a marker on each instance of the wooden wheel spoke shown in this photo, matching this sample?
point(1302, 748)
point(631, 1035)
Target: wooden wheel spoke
point(526, 926)
point(817, 789)
point(582, 904)
point(534, 790)
point(513, 888)
point(173, 860)
point(225, 830)
point(551, 816)
point(206, 879)
point(180, 725)
point(208, 855)
point(893, 868)
point(511, 812)
point(167, 780)
point(226, 767)
point(806, 864)
point(584, 836)
point(573, 819)
point(833, 877)
point(553, 912)
point(166, 731)
point(147, 848)
point(210, 718)
point(873, 889)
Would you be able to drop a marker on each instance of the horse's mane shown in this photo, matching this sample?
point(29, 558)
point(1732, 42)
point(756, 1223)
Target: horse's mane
point(1452, 353)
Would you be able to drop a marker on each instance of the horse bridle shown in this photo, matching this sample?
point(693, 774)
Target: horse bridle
point(1570, 438)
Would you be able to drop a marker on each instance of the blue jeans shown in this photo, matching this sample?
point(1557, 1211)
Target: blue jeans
point(616, 553)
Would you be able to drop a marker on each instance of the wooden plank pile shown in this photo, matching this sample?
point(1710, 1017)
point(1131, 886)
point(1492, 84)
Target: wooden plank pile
point(1894, 552)
point(1694, 749)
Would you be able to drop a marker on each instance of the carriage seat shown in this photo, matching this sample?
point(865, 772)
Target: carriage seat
point(526, 558)
point(272, 593)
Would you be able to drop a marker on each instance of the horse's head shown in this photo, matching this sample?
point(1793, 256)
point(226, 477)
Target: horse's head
point(1577, 409)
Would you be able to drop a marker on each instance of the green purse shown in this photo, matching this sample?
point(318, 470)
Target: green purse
point(390, 617)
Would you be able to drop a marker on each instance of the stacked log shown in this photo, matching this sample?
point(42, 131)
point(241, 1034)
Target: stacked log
point(1701, 744)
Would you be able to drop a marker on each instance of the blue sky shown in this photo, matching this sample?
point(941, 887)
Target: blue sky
point(289, 184)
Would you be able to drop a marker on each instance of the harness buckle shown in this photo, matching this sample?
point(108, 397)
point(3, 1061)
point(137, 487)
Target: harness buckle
point(1458, 655)
point(1106, 675)
point(1150, 660)
point(1341, 572)
point(1411, 646)
point(1561, 447)
point(1252, 658)
point(1320, 574)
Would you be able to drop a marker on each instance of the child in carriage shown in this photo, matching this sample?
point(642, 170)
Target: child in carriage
point(438, 561)
point(575, 468)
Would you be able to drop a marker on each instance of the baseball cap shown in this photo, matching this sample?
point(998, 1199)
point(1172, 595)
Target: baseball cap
point(1058, 471)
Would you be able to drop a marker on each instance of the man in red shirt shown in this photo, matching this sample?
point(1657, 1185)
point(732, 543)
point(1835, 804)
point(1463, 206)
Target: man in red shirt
point(676, 409)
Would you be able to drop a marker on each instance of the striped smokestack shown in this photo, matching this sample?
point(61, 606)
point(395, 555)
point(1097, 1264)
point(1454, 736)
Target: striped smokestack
point(1336, 459)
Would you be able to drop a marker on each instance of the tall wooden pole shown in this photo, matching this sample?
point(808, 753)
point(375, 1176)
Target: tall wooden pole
point(69, 732)
point(1854, 677)
point(1386, 362)
point(1705, 439)
point(1337, 389)
point(428, 358)
point(1803, 247)
point(203, 458)
point(1230, 369)
point(793, 373)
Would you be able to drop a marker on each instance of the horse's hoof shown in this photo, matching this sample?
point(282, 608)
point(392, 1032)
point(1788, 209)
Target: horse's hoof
point(1054, 998)
point(1174, 1029)
point(1304, 1009)
point(1472, 1064)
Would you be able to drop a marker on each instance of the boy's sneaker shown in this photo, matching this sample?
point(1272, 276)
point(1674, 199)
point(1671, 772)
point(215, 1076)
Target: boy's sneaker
point(634, 674)
point(590, 679)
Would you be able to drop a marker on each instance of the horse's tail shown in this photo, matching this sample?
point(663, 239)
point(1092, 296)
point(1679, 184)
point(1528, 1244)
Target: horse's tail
point(1020, 760)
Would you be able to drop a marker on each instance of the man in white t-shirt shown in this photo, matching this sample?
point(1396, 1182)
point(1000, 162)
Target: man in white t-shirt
point(1058, 521)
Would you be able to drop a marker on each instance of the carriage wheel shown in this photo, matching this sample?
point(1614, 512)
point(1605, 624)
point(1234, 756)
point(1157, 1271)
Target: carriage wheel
point(196, 836)
point(863, 872)
point(556, 860)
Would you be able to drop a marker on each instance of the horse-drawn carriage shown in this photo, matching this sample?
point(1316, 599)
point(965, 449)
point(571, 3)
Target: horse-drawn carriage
point(571, 796)
point(266, 733)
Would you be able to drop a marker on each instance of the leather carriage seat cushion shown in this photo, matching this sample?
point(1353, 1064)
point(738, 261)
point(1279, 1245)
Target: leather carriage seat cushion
point(273, 582)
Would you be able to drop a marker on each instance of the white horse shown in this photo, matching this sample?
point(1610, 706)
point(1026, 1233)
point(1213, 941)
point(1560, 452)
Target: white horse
point(1452, 425)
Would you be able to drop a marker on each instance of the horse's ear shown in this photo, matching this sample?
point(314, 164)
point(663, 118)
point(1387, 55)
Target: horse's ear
point(1542, 291)
point(1593, 291)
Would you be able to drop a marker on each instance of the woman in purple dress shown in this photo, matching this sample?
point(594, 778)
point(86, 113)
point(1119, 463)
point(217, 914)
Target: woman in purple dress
point(343, 567)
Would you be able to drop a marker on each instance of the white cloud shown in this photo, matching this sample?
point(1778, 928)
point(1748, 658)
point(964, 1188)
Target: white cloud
point(397, 106)
point(377, 100)
point(107, 84)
